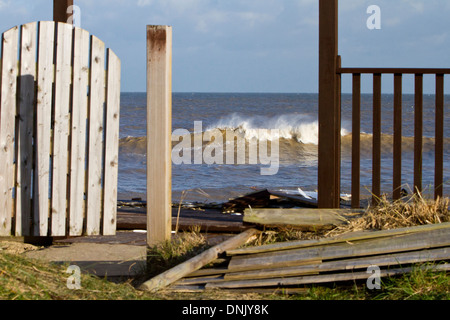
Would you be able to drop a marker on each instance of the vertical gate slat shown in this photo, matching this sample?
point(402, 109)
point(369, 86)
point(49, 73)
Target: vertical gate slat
point(96, 102)
point(397, 167)
point(79, 131)
point(7, 127)
point(376, 149)
point(43, 127)
point(418, 132)
point(439, 136)
point(61, 129)
point(26, 100)
point(356, 140)
point(111, 144)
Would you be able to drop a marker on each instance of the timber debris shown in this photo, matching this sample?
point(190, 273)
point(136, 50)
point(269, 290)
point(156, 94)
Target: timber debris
point(291, 265)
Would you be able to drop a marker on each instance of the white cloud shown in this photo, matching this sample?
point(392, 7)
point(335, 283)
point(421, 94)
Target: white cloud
point(3, 4)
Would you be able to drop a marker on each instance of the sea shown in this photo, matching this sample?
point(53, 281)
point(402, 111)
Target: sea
point(255, 141)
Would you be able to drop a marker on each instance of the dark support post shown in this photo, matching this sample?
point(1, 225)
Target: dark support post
point(329, 113)
point(60, 8)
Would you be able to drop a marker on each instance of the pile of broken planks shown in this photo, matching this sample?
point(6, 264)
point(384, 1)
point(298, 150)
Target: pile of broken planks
point(292, 265)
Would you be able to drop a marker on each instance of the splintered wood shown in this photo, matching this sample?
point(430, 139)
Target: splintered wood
point(291, 265)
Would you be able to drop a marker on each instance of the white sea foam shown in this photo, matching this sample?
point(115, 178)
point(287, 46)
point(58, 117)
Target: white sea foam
point(302, 128)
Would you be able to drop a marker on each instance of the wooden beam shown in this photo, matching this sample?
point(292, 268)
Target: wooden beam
point(408, 242)
point(302, 219)
point(60, 8)
point(329, 171)
point(347, 237)
point(159, 138)
point(182, 270)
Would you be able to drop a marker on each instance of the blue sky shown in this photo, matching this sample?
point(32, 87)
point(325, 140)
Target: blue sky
point(257, 45)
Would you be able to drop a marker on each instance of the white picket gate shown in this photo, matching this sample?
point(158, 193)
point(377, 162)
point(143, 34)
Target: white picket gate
point(59, 132)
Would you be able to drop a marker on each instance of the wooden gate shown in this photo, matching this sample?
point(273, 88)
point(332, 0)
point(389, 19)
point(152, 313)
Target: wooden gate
point(59, 132)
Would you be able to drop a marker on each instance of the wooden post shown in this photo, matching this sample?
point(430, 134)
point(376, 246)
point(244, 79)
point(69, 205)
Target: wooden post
point(329, 113)
point(60, 8)
point(159, 128)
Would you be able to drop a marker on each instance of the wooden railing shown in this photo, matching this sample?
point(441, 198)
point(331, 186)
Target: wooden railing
point(397, 144)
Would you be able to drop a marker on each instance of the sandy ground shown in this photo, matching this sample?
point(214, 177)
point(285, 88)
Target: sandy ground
point(103, 260)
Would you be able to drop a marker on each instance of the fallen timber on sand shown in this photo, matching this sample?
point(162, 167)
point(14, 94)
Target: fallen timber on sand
point(290, 265)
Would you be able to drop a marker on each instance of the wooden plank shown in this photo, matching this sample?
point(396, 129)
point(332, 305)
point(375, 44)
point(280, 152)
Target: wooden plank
point(326, 278)
point(397, 165)
point(376, 158)
point(409, 242)
point(433, 255)
point(26, 101)
point(348, 237)
point(439, 138)
point(159, 128)
point(193, 264)
point(77, 204)
point(418, 132)
point(95, 149)
point(111, 144)
point(304, 219)
point(395, 70)
point(61, 126)
point(7, 127)
point(328, 172)
point(43, 128)
point(356, 141)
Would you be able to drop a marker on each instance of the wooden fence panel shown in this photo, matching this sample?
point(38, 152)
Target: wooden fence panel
point(77, 207)
point(111, 144)
point(57, 101)
point(25, 130)
point(43, 127)
point(7, 126)
point(96, 102)
point(61, 124)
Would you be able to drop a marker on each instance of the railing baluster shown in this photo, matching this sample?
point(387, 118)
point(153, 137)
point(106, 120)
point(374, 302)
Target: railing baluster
point(439, 144)
point(418, 132)
point(397, 178)
point(356, 140)
point(376, 159)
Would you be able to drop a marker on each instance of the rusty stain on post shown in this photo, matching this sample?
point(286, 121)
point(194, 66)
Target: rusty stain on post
point(159, 128)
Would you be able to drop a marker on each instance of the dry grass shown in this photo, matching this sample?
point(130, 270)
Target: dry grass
point(407, 212)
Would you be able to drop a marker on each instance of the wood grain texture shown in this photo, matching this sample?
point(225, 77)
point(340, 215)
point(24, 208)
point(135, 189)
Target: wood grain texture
point(26, 104)
point(159, 128)
point(7, 127)
point(95, 149)
point(45, 78)
point(77, 207)
point(61, 124)
point(111, 144)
